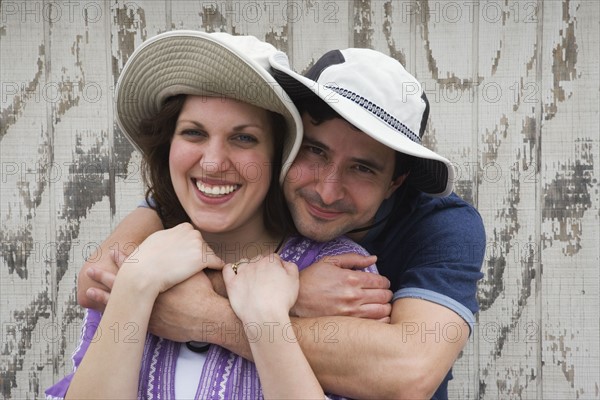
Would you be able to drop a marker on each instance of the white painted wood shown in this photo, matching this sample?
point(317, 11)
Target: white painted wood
point(513, 87)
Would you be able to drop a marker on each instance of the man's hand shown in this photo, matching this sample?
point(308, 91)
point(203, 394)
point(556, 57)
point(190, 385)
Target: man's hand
point(106, 279)
point(330, 287)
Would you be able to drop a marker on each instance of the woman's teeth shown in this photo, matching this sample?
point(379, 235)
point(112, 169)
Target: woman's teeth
point(216, 190)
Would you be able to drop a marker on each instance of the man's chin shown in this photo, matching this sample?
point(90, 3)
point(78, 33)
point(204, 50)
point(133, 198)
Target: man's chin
point(318, 233)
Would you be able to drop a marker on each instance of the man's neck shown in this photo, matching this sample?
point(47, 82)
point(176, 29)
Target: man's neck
point(357, 236)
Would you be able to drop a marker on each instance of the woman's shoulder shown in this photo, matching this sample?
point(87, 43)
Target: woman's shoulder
point(339, 245)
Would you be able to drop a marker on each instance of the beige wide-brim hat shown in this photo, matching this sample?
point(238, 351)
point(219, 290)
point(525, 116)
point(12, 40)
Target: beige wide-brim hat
point(203, 64)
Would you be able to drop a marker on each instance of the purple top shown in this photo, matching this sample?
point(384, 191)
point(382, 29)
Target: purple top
point(225, 374)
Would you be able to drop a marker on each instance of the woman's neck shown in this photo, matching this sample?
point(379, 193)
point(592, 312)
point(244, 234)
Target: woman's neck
point(233, 246)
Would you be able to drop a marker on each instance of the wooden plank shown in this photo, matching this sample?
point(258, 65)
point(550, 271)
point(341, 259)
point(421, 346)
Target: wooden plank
point(508, 137)
point(323, 26)
point(392, 32)
point(81, 147)
point(442, 56)
point(26, 211)
point(570, 201)
point(130, 24)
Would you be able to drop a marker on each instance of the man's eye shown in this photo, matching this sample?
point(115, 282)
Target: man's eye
point(363, 169)
point(314, 150)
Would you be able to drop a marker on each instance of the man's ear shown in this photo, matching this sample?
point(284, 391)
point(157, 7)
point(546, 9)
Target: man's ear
point(395, 184)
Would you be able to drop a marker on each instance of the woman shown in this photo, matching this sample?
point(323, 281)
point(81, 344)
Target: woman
point(217, 135)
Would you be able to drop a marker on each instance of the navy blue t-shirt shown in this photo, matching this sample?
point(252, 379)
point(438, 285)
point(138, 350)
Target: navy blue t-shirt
point(430, 248)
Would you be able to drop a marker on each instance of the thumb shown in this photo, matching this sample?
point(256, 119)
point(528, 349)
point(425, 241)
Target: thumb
point(211, 260)
point(290, 268)
point(351, 260)
point(214, 262)
point(228, 273)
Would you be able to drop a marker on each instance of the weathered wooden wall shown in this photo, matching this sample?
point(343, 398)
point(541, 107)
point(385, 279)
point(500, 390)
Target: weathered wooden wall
point(515, 93)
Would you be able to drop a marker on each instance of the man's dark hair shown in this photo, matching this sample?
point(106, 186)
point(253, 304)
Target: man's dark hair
point(319, 112)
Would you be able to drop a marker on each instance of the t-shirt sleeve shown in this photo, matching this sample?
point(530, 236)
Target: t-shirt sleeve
point(147, 203)
point(443, 257)
point(88, 334)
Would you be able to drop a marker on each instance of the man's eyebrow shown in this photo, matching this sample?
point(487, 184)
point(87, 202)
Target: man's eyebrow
point(369, 163)
point(314, 142)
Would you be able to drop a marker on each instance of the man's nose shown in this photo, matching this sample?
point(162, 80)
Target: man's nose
point(329, 184)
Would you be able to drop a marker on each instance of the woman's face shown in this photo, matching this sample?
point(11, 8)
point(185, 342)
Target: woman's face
point(220, 162)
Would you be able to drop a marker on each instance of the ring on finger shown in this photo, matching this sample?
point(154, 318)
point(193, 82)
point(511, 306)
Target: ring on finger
point(236, 265)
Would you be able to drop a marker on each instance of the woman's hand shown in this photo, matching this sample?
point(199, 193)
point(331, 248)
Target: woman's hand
point(261, 293)
point(169, 257)
point(261, 290)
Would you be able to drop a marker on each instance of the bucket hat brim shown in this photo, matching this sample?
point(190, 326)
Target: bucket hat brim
point(203, 64)
point(432, 174)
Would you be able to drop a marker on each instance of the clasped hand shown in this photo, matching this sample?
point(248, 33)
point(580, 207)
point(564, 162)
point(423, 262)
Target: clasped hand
point(171, 256)
point(263, 289)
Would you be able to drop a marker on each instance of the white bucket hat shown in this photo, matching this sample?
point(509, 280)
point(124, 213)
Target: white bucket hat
point(377, 95)
point(203, 64)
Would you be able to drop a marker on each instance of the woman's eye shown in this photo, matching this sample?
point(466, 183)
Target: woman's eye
point(246, 138)
point(192, 132)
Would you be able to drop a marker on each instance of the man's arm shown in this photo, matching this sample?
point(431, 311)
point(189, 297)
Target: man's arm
point(126, 238)
point(367, 358)
point(407, 358)
point(357, 357)
point(354, 357)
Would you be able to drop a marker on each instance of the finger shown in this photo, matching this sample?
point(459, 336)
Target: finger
point(376, 296)
point(351, 260)
point(228, 273)
point(118, 257)
point(211, 259)
point(103, 277)
point(374, 311)
point(98, 295)
point(368, 280)
point(215, 263)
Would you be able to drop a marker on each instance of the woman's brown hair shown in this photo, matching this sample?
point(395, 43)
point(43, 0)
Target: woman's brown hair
point(160, 195)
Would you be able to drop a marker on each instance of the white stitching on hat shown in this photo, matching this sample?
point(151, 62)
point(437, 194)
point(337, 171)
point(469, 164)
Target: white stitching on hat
point(377, 111)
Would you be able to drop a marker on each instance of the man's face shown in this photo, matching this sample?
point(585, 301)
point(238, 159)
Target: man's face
point(338, 180)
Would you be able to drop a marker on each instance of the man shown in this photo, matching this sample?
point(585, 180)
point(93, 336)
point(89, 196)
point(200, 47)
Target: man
point(361, 171)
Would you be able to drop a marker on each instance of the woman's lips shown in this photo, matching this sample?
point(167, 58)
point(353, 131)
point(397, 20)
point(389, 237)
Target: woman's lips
point(215, 190)
point(213, 193)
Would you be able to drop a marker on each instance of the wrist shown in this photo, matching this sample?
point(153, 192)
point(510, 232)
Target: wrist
point(142, 285)
point(265, 317)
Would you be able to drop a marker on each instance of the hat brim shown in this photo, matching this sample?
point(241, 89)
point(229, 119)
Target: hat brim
point(196, 63)
point(433, 173)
